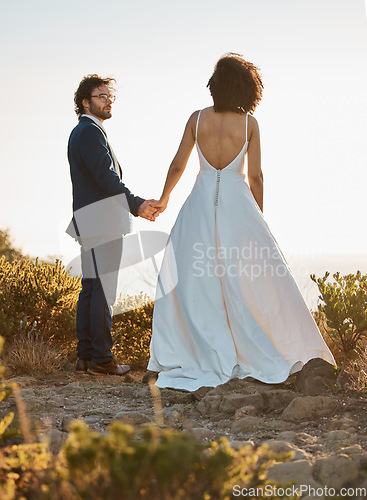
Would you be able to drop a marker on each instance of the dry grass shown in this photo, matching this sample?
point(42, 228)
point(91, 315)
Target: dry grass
point(321, 323)
point(30, 354)
point(357, 367)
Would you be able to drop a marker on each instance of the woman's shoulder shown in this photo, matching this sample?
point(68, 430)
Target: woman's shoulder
point(252, 119)
point(196, 113)
point(253, 124)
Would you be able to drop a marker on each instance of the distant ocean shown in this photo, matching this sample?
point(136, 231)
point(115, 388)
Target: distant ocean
point(303, 267)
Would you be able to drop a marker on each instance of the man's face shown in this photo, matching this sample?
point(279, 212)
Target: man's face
point(97, 106)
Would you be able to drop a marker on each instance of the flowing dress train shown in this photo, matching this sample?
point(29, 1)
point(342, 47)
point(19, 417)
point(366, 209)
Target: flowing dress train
point(227, 304)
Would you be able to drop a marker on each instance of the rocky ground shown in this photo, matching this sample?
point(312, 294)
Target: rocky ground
point(326, 429)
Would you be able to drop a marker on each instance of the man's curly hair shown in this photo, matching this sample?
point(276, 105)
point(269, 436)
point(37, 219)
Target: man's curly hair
point(85, 89)
point(235, 85)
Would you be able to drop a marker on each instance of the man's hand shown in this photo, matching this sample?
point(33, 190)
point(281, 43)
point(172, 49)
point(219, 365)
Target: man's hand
point(147, 211)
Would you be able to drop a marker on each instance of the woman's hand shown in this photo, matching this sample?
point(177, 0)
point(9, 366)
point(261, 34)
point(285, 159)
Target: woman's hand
point(160, 205)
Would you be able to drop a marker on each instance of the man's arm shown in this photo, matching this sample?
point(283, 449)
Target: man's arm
point(97, 159)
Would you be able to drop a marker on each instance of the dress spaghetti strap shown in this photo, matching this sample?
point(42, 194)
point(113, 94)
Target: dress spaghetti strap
point(197, 124)
point(246, 125)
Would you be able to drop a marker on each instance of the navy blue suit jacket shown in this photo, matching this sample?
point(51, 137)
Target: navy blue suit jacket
point(94, 167)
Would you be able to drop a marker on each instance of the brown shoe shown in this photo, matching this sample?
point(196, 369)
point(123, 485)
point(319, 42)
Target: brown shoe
point(82, 365)
point(111, 368)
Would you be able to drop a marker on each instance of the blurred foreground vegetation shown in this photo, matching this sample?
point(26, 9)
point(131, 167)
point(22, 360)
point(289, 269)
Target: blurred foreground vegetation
point(127, 463)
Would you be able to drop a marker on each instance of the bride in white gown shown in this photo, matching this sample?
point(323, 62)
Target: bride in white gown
point(236, 310)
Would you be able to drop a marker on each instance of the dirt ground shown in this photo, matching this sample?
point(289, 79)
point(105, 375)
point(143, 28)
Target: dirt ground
point(53, 401)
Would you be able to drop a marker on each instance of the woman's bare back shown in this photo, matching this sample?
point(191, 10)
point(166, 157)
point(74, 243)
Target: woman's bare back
point(221, 136)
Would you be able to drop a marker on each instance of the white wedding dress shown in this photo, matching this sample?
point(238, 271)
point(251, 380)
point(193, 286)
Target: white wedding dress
point(233, 308)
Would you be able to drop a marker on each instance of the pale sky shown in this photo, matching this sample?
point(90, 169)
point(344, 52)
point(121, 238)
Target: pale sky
point(313, 116)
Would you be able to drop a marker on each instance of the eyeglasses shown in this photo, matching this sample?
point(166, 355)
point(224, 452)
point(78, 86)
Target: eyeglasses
point(105, 97)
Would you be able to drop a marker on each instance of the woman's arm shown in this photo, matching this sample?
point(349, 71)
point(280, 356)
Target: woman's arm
point(255, 175)
point(178, 164)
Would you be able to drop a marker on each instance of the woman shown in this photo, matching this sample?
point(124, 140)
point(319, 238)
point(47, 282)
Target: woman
point(227, 304)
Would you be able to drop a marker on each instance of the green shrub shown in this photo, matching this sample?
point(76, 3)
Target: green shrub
point(344, 305)
point(41, 294)
point(6, 247)
point(131, 330)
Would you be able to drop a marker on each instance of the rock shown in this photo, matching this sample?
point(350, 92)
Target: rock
point(71, 389)
point(201, 433)
point(232, 402)
point(336, 438)
point(290, 436)
point(188, 424)
point(66, 421)
point(132, 417)
point(298, 472)
point(316, 377)
point(351, 430)
point(21, 381)
point(224, 424)
point(309, 407)
point(362, 488)
point(304, 438)
point(53, 437)
point(149, 375)
point(242, 386)
point(352, 450)
point(341, 423)
point(362, 460)
point(336, 471)
point(173, 396)
point(277, 399)
point(32, 403)
point(245, 423)
point(52, 403)
point(209, 405)
point(245, 410)
point(281, 447)
point(102, 412)
point(314, 449)
point(236, 443)
point(277, 425)
point(92, 419)
point(173, 418)
point(129, 378)
point(234, 384)
point(57, 435)
point(27, 394)
point(200, 393)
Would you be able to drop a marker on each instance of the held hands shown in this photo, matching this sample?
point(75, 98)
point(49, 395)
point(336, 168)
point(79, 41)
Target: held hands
point(160, 205)
point(147, 211)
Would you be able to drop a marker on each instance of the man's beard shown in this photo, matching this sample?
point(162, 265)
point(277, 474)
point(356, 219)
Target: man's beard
point(99, 113)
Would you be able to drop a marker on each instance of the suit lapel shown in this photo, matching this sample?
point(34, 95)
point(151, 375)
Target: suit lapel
point(114, 159)
point(115, 162)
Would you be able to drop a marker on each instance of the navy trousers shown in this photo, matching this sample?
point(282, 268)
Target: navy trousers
point(100, 266)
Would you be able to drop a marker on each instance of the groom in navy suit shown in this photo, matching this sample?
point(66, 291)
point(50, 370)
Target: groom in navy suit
point(98, 189)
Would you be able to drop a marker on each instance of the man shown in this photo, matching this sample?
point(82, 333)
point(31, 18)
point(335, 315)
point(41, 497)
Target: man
point(101, 214)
